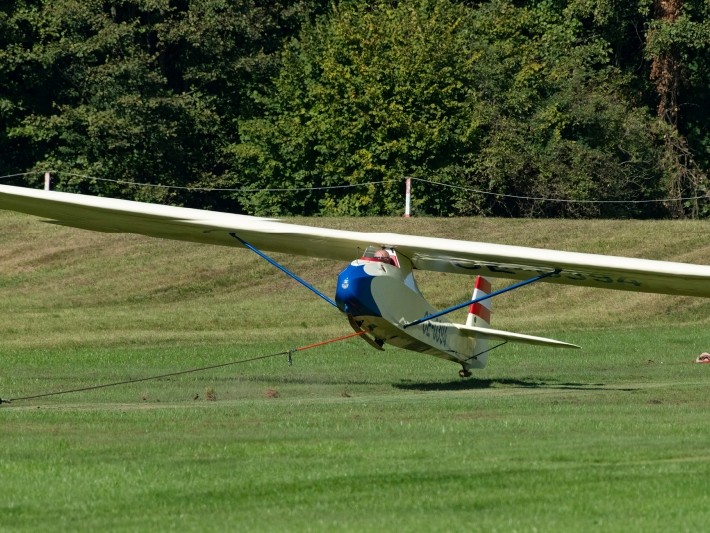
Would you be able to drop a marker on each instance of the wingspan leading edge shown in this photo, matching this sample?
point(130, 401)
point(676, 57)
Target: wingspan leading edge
point(425, 253)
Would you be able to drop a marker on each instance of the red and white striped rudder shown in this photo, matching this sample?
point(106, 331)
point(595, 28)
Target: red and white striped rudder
point(479, 314)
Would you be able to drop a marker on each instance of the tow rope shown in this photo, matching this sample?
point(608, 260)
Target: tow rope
point(288, 353)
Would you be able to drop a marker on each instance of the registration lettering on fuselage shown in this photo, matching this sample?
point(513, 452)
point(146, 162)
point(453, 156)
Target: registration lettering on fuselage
point(436, 332)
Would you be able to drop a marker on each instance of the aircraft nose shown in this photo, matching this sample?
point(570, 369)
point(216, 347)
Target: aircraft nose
point(353, 294)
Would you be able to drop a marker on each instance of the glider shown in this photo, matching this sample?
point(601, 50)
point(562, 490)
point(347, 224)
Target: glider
point(377, 290)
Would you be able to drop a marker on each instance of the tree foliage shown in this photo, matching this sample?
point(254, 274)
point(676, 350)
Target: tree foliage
point(319, 107)
point(508, 100)
point(145, 91)
point(368, 94)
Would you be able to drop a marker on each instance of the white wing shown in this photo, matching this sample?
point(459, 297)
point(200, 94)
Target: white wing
point(425, 253)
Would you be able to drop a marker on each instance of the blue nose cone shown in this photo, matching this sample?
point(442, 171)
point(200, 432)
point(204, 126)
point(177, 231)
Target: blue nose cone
point(354, 292)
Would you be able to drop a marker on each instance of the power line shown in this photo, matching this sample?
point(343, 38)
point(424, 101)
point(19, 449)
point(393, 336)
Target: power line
point(368, 184)
point(564, 200)
point(206, 189)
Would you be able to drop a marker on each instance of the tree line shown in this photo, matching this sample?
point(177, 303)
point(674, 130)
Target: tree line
point(283, 102)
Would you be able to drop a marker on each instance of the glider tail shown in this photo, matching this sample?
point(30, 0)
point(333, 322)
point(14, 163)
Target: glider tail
point(479, 315)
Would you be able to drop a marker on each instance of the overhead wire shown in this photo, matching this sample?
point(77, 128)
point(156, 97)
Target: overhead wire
point(366, 184)
point(206, 189)
point(562, 200)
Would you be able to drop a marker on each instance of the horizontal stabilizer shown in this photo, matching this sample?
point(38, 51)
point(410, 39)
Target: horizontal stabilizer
point(509, 336)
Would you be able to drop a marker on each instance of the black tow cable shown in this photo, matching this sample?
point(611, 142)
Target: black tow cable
point(129, 381)
point(288, 353)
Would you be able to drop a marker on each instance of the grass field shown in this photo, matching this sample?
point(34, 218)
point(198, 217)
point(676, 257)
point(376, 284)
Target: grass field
point(610, 438)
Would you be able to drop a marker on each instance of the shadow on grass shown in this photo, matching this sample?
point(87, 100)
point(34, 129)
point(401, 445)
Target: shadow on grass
point(473, 384)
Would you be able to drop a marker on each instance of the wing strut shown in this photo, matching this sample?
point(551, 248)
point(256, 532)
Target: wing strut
point(284, 270)
point(484, 297)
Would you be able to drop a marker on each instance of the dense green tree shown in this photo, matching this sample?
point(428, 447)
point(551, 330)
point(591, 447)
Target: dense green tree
point(566, 126)
point(581, 100)
point(147, 91)
point(371, 93)
point(677, 45)
point(511, 100)
point(20, 87)
point(661, 45)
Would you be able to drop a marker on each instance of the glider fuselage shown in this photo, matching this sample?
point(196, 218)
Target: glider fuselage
point(381, 298)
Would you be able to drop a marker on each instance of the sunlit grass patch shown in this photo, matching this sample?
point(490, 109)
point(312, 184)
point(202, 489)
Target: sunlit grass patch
point(610, 437)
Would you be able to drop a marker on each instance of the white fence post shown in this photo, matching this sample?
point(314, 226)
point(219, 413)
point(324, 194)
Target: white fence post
point(47, 179)
point(408, 198)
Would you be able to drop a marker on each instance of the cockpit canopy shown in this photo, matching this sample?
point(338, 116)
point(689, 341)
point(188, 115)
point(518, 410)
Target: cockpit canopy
point(380, 255)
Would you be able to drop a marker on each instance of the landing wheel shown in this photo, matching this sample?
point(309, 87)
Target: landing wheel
point(463, 373)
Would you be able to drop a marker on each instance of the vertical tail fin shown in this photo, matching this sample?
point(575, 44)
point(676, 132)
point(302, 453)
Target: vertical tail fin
point(479, 314)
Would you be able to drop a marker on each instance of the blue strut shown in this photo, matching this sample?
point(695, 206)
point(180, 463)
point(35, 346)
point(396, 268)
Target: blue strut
point(485, 297)
point(284, 270)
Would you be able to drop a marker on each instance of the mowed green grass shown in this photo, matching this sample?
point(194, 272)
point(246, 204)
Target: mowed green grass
point(613, 437)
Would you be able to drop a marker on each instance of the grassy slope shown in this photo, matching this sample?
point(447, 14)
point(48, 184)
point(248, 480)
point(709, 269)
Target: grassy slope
point(612, 437)
point(136, 283)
